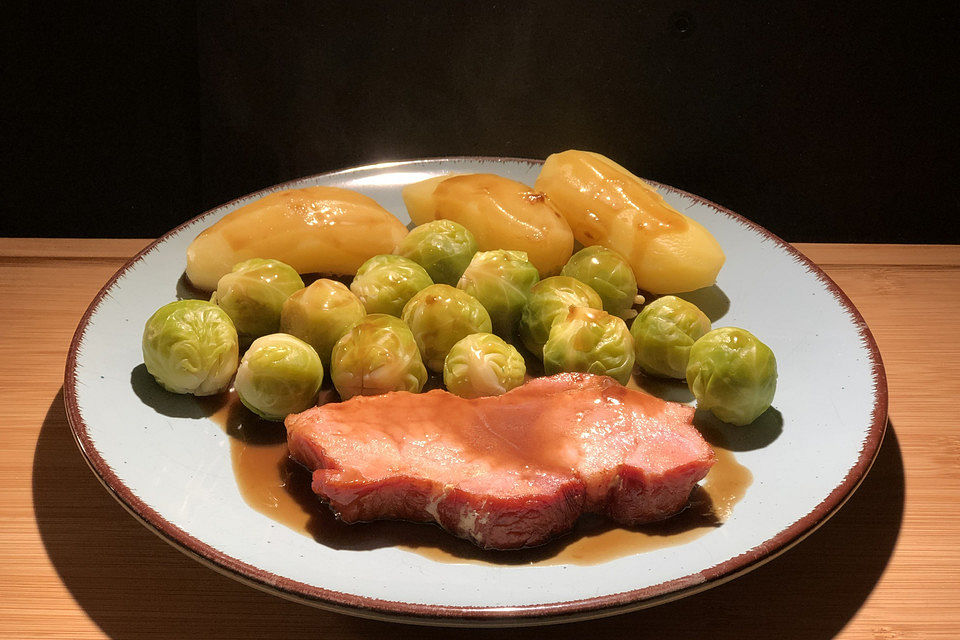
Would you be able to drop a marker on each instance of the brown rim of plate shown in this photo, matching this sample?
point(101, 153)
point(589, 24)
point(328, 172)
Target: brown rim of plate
point(483, 616)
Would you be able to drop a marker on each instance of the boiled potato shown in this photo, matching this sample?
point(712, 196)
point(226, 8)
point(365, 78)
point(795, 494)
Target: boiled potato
point(314, 230)
point(499, 212)
point(419, 199)
point(607, 205)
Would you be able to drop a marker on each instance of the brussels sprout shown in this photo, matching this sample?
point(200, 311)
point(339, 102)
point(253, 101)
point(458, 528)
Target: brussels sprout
point(190, 346)
point(442, 247)
point(376, 356)
point(663, 334)
point(733, 374)
point(551, 298)
point(320, 314)
point(590, 341)
point(439, 316)
point(609, 274)
point(501, 281)
point(384, 283)
point(253, 294)
point(482, 364)
point(279, 375)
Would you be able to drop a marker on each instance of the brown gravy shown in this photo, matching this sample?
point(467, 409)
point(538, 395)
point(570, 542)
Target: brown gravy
point(276, 486)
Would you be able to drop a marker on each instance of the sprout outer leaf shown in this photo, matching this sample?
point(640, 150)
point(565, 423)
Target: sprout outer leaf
point(191, 346)
point(732, 374)
point(482, 364)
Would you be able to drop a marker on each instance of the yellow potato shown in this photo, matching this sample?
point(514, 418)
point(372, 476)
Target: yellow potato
point(499, 212)
point(607, 205)
point(419, 199)
point(314, 230)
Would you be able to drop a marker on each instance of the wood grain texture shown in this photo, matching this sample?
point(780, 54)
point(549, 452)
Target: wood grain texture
point(120, 249)
point(827, 255)
point(74, 564)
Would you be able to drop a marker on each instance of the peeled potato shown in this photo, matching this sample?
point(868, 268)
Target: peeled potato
point(419, 199)
point(314, 230)
point(607, 205)
point(499, 212)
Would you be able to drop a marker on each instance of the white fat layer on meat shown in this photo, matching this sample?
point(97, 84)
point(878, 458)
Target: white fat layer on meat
point(468, 521)
point(431, 507)
point(473, 521)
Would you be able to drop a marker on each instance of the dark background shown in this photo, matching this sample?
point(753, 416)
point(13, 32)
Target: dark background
point(822, 123)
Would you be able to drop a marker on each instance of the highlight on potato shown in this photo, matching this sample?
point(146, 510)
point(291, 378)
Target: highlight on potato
point(313, 229)
point(607, 205)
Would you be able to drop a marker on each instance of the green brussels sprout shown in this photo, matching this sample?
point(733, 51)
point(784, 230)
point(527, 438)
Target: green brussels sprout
point(439, 316)
point(191, 346)
point(732, 374)
point(378, 355)
point(482, 364)
point(320, 314)
point(609, 274)
point(253, 294)
point(385, 283)
point(442, 247)
point(663, 334)
point(551, 298)
point(279, 375)
point(501, 280)
point(590, 341)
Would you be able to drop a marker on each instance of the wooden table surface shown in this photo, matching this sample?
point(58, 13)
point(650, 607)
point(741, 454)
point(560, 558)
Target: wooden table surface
point(74, 564)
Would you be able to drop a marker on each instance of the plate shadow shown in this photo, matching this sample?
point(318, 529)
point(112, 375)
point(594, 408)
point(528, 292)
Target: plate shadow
point(173, 405)
point(711, 300)
point(186, 291)
point(756, 435)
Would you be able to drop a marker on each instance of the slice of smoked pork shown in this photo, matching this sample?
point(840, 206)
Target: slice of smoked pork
point(506, 471)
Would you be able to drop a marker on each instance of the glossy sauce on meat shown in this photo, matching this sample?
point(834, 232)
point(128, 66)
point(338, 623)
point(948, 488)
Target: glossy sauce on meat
point(280, 488)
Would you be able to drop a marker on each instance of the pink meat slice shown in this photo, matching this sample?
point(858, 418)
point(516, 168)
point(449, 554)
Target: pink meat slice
point(509, 471)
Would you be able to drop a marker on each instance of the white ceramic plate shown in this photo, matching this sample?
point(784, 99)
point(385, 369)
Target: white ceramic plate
point(174, 472)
